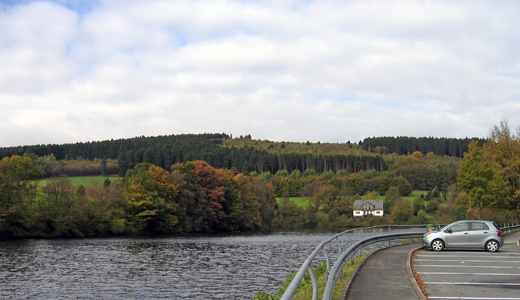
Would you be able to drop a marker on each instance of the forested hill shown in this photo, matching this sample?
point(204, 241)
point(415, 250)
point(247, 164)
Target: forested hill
point(216, 149)
point(243, 154)
point(403, 145)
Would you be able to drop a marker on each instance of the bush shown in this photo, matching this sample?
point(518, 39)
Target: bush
point(432, 206)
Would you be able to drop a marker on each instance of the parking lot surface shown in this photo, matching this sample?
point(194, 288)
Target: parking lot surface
point(477, 274)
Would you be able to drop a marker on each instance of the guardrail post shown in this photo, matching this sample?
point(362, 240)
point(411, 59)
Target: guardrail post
point(350, 244)
point(327, 262)
point(374, 244)
point(314, 284)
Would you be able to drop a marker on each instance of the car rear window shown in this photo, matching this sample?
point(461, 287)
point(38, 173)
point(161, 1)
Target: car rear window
point(479, 226)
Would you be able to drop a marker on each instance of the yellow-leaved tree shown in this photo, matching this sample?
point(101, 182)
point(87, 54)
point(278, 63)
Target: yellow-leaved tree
point(503, 148)
point(152, 199)
point(477, 176)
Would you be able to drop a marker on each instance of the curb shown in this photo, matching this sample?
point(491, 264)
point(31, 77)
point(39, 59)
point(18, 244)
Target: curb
point(415, 285)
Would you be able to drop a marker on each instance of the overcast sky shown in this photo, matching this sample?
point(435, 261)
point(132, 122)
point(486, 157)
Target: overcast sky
point(329, 71)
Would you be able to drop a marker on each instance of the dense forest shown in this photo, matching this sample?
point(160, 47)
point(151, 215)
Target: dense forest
point(164, 151)
point(403, 145)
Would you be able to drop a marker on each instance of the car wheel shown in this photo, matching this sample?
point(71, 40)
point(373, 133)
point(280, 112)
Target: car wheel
point(438, 245)
point(492, 246)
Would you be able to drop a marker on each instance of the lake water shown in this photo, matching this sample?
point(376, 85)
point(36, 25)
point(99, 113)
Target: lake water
point(217, 266)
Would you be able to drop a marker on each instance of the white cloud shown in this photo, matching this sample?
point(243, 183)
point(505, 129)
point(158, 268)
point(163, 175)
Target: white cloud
point(280, 70)
point(33, 53)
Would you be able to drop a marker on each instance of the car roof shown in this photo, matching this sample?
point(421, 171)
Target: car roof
point(461, 221)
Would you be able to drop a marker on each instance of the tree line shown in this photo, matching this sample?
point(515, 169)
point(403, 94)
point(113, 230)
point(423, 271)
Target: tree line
point(240, 155)
point(191, 197)
point(403, 145)
point(111, 149)
point(165, 151)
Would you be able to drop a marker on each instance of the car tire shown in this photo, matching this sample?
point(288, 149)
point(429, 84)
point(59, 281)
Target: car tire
point(438, 245)
point(492, 246)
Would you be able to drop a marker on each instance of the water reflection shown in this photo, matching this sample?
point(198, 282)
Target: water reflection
point(221, 266)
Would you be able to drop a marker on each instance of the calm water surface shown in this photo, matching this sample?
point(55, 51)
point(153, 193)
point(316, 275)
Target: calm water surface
point(223, 266)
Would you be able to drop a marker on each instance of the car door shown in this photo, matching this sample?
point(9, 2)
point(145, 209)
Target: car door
point(459, 235)
point(478, 234)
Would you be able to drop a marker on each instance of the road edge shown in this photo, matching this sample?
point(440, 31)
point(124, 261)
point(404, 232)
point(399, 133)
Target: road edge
point(411, 277)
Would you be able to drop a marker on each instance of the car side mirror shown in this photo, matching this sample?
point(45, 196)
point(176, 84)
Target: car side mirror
point(448, 230)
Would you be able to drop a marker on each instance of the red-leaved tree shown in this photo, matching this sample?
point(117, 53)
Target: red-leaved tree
point(212, 185)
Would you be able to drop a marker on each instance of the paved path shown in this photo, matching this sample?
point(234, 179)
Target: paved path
point(384, 276)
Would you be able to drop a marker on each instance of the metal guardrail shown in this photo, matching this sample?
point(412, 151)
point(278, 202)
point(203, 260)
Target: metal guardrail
point(334, 273)
point(509, 227)
point(337, 269)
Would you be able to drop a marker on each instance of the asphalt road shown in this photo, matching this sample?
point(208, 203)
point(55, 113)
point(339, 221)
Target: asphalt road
point(462, 274)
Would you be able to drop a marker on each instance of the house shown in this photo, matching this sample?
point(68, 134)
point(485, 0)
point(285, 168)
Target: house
point(368, 207)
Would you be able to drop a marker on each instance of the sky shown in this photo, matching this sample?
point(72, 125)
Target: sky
point(282, 70)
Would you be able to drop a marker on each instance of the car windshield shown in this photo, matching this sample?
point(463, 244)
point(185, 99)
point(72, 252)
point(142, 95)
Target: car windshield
point(445, 227)
point(456, 227)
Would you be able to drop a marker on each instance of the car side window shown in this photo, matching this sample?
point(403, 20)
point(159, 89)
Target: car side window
point(459, 227)
point(479, 226)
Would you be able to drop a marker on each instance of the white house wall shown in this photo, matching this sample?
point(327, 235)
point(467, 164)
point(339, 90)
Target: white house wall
point(360, 213)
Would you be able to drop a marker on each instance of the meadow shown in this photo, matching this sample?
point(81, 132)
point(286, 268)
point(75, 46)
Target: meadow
point(300, 201)
point(86, 181)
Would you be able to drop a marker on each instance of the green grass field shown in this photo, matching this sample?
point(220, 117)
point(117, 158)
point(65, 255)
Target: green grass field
point(86, 181)
point(300, 201)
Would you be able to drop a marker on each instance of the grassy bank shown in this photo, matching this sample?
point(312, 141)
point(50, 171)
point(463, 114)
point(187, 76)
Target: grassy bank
point(305, 289)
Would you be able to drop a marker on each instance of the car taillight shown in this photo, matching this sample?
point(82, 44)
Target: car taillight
point(499, 233)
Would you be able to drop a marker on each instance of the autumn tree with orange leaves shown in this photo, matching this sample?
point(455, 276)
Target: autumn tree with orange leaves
point(211, 183)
